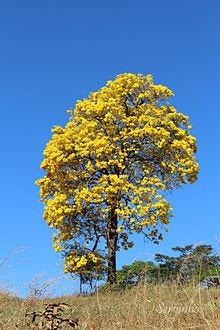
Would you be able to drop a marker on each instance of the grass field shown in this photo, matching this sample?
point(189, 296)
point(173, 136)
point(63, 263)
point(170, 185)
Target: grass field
point(146, 306)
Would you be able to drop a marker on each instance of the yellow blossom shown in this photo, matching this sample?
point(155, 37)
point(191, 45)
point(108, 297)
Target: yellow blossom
point(121, 150)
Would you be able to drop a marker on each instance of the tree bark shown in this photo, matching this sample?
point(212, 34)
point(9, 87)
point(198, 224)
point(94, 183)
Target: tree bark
point(112, 240)
point(80, 284)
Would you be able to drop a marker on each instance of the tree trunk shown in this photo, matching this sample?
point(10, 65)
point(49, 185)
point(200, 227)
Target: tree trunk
point(80, 283)
point(112, 239)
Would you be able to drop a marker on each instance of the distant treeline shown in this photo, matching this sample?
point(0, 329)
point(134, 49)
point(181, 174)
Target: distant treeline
point(190, 264)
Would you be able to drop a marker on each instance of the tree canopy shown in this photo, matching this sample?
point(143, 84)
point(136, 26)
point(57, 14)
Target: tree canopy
point(108, 169)
point(193, 263)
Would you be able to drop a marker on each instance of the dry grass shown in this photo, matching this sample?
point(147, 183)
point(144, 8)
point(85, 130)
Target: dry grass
point(145, 307)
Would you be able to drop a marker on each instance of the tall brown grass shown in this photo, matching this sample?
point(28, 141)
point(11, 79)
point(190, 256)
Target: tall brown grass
point(146, 306)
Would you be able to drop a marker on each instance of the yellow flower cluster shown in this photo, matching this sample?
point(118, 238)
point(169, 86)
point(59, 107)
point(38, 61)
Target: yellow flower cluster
point(87, 262)
point(121, 149)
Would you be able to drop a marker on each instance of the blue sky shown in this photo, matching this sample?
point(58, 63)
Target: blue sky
point(55, 52)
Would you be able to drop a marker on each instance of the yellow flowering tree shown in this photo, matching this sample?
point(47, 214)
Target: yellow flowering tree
point(108, 169)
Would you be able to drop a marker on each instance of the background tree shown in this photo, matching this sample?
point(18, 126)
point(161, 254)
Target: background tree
point(130, 275)
point(108, 169)
point(167, 268)
point(192, 263)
